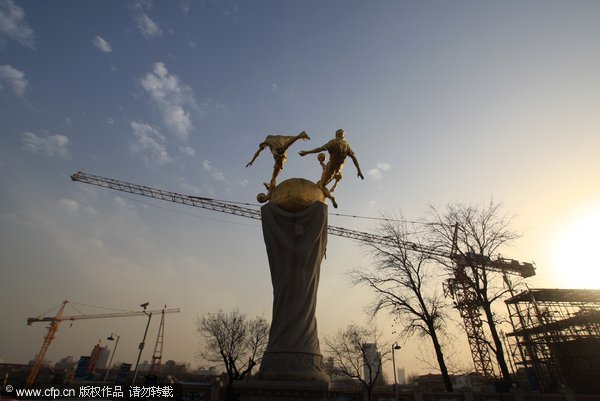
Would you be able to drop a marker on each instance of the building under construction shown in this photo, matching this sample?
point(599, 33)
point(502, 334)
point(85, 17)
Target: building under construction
point(557, 337)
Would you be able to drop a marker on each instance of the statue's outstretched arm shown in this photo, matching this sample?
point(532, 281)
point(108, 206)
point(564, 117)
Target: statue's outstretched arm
point(355, 160)
point(260, 148)
point(315, 150)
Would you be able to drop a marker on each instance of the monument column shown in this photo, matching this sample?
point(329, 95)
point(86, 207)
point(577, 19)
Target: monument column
point(296, 243)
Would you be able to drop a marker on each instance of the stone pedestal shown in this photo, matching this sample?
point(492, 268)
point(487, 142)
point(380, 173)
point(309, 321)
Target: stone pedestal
point(292, 367)
point(296, 243)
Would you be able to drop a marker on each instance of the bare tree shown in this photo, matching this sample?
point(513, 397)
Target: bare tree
point(233, 341)
point(482, 232)
point(352, 352)
point(405, 286)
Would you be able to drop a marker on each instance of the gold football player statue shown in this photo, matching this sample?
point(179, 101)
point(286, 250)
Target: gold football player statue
point(338, 150)
point(278, 144)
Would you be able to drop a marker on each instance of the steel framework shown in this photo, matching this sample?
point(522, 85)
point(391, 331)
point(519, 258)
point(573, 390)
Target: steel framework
point(557, 332)
point(467, 304)
point(156, 363)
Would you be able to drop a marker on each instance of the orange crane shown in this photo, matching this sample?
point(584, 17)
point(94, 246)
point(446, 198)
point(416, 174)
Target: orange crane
point(58, 318)
point(457, 286)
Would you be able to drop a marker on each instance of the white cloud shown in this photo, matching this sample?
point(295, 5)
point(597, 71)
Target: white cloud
point(214, 173)
point(192, 44)
point(185, 6)
point(210, 106)
point(50, 145)
point(376, 173)
point(69, 206)
point(13, 25)
point(148, 28)
point(230, 11)
point(119, 201)
point(383, 166)
point(13, 79)
point(102, 44)
point(170, 96)
point(186, 150)
point(149, 140)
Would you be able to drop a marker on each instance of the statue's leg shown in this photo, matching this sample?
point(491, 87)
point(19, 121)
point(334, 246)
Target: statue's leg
point(328, 195)
point(302, 135)
point(276, 170)
point(337, 178)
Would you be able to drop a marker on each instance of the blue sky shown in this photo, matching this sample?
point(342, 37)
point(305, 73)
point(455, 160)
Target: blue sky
point(441, 101)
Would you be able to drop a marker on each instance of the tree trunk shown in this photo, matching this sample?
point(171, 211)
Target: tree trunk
point(231, 395)
point(440, 358)
point(497, 344)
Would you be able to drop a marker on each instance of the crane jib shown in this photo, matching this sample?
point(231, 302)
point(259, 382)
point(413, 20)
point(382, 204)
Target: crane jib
point(499, 265)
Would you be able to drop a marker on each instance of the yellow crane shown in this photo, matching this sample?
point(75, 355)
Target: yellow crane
point(58, 318)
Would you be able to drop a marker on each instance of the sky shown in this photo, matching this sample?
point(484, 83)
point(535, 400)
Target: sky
point(442, 102)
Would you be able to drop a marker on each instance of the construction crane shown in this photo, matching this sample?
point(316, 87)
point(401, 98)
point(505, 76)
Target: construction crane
point(466, 300)
point(58, 318)
point(457, 287)
point(158, 346)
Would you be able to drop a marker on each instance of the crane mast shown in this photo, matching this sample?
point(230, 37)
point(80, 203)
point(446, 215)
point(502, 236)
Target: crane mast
point(52, 329)
point(158, 346)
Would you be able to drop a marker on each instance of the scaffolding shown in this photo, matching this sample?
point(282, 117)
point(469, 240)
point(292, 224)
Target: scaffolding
point(557, 336)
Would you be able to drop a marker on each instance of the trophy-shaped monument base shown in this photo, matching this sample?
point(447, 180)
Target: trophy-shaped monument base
point(292, 366)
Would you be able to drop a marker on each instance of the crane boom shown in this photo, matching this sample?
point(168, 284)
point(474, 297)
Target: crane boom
point(196, 201)
point(96, 316)
point(498, 265)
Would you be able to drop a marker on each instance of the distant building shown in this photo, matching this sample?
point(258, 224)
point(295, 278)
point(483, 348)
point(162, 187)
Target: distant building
point(372, 363)
point(66, 363)
point(99, 357)
point(207, 371)
point(104, 353)
point(144, 367)
point(401, 376)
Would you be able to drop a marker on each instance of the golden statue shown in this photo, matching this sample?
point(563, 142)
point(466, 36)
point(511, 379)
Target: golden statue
point(278, 144)
point(338, 150)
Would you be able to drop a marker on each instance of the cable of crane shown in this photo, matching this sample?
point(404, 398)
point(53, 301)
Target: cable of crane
point(180, 212)
point(331, 214)
point(98, 307)
point(375, 218)
point(204, 198)
point(251, 204)
point(51, 309)
point(80, 312)
point(224, 201)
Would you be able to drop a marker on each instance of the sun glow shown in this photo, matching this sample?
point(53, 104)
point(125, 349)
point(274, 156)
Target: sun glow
point(576, 249)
